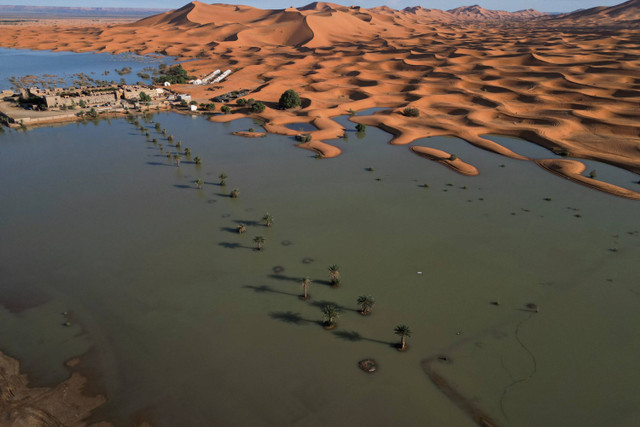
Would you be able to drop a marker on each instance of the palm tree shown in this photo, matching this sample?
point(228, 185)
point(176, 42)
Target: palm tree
point(403, 331)
point(223, 178)
point(168, 155)
point(241, 228)
point(234, 193)
point(176, 159)
point(268, 219)
point(334, 275)
point(259, 241)
point(197, 160)
point(199, 183)
point(187, 151)
point(366, 304)
point(306, 281)
point(170, 138)
point(178, 144)
point(330, 313)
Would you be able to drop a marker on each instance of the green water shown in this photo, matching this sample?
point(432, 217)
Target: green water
point(181, 322)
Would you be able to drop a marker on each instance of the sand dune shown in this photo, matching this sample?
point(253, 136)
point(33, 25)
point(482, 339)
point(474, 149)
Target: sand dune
point(468, 71)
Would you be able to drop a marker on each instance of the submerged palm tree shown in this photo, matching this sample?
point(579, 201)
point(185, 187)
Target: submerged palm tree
point(259, 241)
point(334, 275)
point(234, 193)
point(306, 282)
point(199, 183)
point(403, 331)
point(223, 178)
point(176, 159)
point(197, 160)
point(268, 219)
point(241, 228)
point(187, 151)
point(330, 313)
point(170, 138)
point(366, 304)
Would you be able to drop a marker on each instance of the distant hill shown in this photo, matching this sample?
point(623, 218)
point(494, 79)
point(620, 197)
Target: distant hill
point(70, 12)
point(628, 12)
point(479, 13)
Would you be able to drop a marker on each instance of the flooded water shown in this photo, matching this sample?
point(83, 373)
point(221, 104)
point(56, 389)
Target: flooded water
point(60, 67)
point(182, 322)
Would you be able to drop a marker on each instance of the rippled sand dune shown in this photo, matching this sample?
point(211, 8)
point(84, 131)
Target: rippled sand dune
point(563, 82)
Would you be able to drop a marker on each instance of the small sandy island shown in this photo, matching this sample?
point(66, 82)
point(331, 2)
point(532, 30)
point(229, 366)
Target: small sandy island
point(446, 159)
point(247, 134)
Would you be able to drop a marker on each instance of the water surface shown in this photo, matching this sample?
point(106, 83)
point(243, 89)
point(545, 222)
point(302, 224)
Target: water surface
point(183, 321)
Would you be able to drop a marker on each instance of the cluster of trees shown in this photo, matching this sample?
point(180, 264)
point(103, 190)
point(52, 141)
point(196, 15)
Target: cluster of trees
point(254, 106)
point(289, 99)
point(173, 75)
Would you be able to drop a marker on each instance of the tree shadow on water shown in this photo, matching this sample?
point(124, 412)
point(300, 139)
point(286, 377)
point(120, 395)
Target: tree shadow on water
point(230, 245)
point(355, 336)
point(249, 223)
point(265, 288)
point(322, 304)
point(292, 318)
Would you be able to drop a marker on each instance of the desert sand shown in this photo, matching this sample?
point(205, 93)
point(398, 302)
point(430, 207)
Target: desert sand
point(562, 82)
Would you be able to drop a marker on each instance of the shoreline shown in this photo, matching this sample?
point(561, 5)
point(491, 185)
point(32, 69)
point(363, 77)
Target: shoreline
point(62, 404)
point(530, 93)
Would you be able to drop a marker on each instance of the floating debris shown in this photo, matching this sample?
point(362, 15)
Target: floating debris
point(368, 365)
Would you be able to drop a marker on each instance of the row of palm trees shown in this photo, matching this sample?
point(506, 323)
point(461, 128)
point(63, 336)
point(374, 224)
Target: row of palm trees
point(330, 312)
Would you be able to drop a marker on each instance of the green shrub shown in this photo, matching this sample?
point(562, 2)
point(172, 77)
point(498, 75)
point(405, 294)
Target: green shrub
point(411, 112)
point(225, 109)
point(303, 137)
point(361, 127)
point(257, 107)
point(289, 99)
point(241, 102)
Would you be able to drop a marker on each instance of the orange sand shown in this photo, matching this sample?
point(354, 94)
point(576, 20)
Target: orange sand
point(560, 82)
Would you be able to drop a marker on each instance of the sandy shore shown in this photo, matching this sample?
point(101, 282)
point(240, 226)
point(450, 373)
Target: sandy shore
point(62, 405)
point(551, 82)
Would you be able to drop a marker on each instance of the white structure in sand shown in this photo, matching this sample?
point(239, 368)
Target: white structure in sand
point(221, 77)
point(208, 78)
